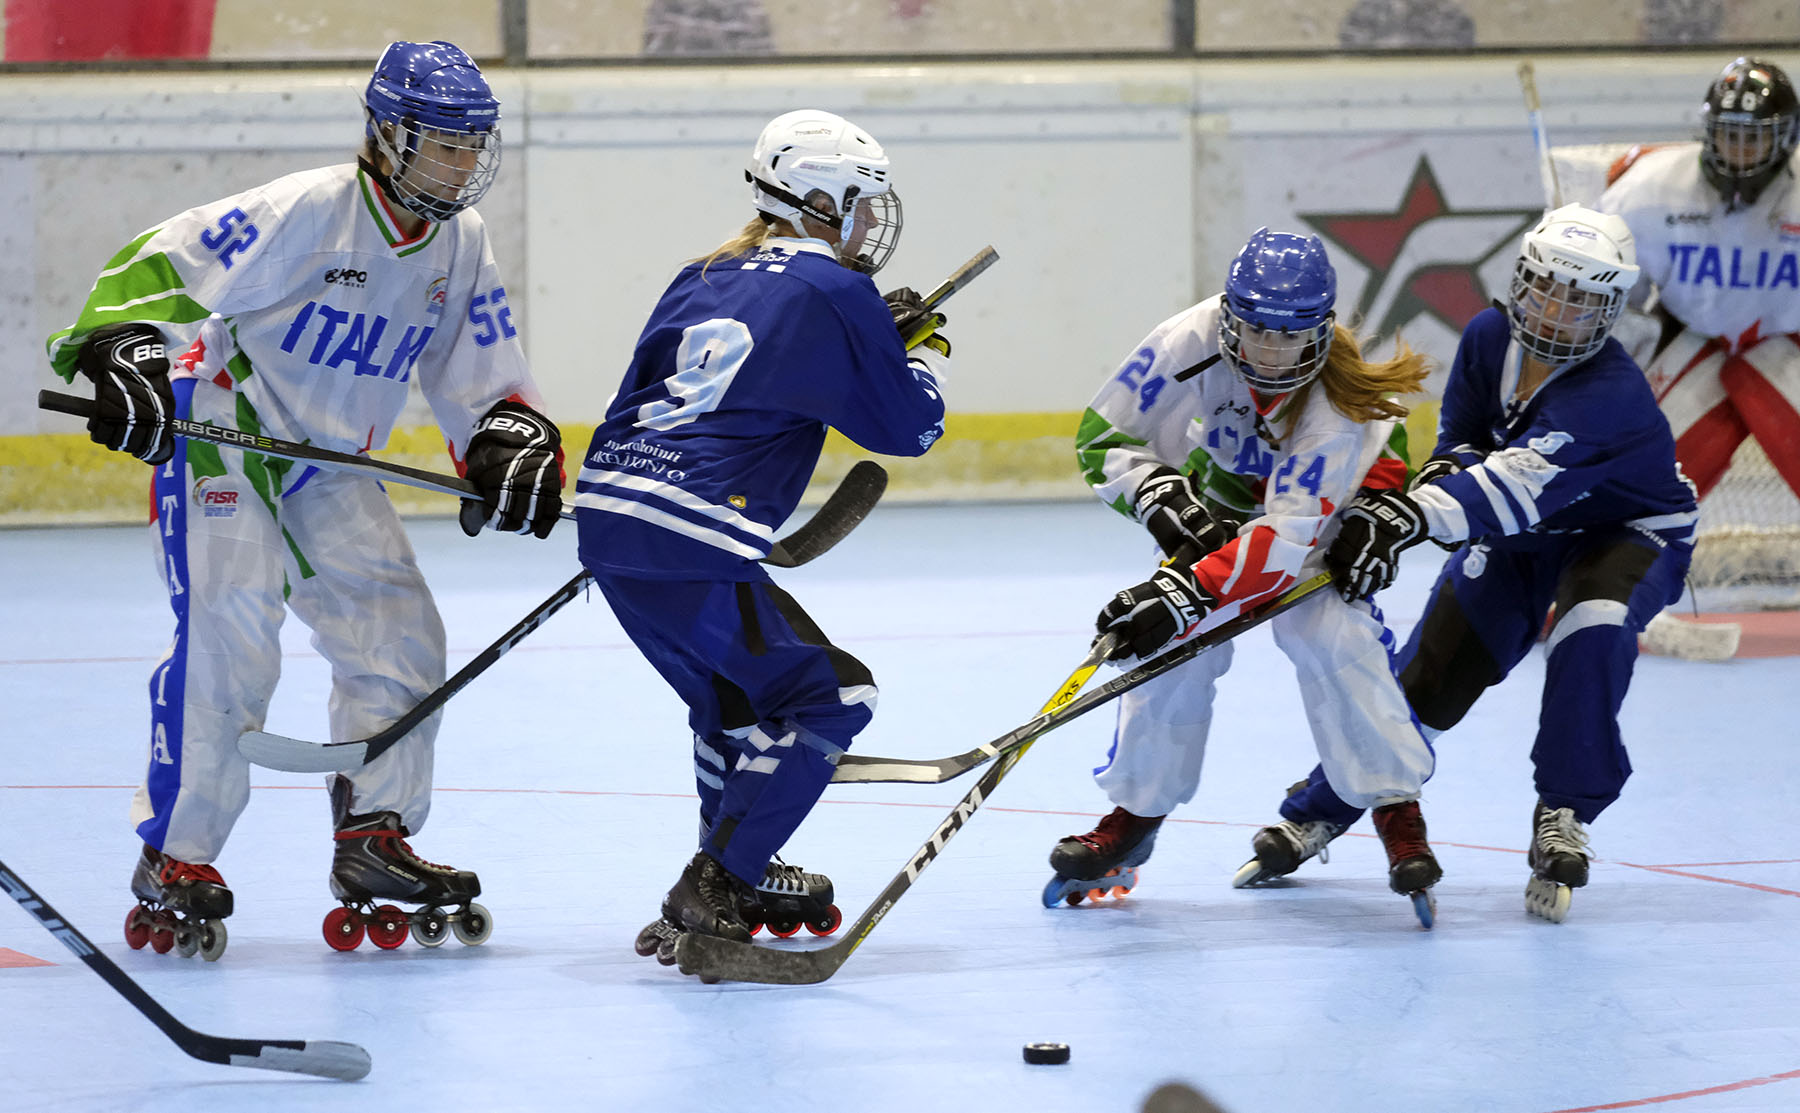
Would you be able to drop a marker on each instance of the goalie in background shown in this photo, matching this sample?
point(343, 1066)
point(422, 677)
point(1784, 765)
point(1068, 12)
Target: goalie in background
point(707, 445)
point(1235, 433)
point(304, 309)
point(1553, 482)
point(1717, 225)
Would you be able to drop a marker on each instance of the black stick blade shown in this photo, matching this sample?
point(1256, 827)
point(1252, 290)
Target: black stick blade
point(848, 505)
point(715, 959)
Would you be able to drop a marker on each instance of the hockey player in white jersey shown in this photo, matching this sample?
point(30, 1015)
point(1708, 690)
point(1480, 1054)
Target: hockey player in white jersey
point(1717, 225)
point(304, 308)
point(1234, 433)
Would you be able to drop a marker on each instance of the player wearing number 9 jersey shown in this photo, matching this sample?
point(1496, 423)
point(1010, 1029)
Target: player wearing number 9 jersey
point(303, 309)
point(1234, 433)
point(707, 446)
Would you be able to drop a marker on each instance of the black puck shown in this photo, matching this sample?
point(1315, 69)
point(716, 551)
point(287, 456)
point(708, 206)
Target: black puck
point(1046, 1053)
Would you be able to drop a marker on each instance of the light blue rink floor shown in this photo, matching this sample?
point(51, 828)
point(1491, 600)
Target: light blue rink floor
point(564, 780)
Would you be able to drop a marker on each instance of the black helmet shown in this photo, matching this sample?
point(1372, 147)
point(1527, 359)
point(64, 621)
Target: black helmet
point(1749, 124)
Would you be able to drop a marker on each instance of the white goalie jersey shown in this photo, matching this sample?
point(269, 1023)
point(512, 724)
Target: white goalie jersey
point(304, 297)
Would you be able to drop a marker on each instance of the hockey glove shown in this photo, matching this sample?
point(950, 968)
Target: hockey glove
point(515, 461)
point(1148, 617)
point(1378, 526)
point(915, 323)
point(1432, 470)
point(1169, 506)
point(133, 401)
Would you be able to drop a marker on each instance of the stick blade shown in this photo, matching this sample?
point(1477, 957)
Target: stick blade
point(861, 488)
point(1667, 636)
point(713, 959)
point(294, 755)
point(347, 1062)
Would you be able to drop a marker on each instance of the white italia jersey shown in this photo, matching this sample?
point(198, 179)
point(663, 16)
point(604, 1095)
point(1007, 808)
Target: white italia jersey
point(1732, 275)
point(304, 297)
point(1294, 468)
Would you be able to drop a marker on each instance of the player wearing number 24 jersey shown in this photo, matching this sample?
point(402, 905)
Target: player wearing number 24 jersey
point(748, 358)
point(1234, 433)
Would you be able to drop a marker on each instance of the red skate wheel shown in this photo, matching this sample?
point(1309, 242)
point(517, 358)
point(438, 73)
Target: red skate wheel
point(162, 931)
point(1072, 899)
point(755, 926)
point(137, 931)
point(388, 928)
point(1120, 890)
point(1096, 894)
point(343, 929)
point(784, 929)
point(828, 923)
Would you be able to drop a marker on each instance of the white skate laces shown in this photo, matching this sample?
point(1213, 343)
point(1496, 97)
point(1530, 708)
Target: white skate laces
point(1559, 832)
point(1313, 838)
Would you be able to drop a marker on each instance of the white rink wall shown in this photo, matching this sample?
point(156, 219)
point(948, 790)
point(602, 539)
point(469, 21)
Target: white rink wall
point(1115, 192)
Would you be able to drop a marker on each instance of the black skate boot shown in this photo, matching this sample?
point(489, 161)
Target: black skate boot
point(1412, 868)
point(705, 901)
point(374, 863)
point(1104, 860)
point(788, 897)
point(1281, 849)
point(181, 905)
point(1559, 862)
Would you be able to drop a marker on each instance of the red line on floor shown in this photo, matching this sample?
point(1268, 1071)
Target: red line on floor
point(1638, 1103)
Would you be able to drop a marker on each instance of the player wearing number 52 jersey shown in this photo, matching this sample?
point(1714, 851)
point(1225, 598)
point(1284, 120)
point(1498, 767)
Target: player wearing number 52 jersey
point(1234, 433)
point(751, 353)
point(305, 309)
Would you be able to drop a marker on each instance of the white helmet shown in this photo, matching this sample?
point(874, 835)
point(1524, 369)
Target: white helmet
point(1575, 270)
point(808, 157)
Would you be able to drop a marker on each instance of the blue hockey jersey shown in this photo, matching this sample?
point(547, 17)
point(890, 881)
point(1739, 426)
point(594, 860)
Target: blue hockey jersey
point(715, 431)
point(1588, 448)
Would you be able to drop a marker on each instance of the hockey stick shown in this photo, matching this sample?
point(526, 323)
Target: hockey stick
point(323, 1058)
point(854, 769)
point(1534, 112)
point(847, 505)
point(961, 277)
point(713, 958)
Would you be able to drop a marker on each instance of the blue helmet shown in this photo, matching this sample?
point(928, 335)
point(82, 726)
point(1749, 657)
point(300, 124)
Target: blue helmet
point(431, 112)
point(1280, 284)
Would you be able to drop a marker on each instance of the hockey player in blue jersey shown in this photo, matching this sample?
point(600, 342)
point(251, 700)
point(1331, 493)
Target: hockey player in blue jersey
point(1554, 483)
point(751, 354)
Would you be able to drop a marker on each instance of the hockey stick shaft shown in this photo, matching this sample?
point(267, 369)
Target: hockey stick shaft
point(848, 504)
point(323, 1058)
point(853, 769)
point(712, 957)
point(959, 278)
point(1535, 113)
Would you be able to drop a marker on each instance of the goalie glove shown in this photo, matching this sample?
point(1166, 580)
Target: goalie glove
point(1149, 617)
point(515, 462)
point(1378, 526)
point(133, 400)
point(1169, 506)
point(916, 323)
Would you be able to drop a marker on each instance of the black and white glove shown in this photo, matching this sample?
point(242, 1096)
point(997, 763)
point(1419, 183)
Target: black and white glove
point(515, 462)
point(1170, 507)
point(1432, 470)
point(1378, 526)
point(133, 401)
point(1146, 618)
point(917, 324)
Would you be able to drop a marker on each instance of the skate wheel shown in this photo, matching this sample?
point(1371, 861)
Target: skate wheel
point(1120, 890)
point(187, 941)
point(343, 928)
point(1096, 894)
point(1546, 899)
point(784, 929)
point(162, 931)
point(431, 928)
point(473, 926)
point(755, 926)
point(137, 929)
point(1424, 907)
point(212, 939)
point(387, 929)
point(827, 923)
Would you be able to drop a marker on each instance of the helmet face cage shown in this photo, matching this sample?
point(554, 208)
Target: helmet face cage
point(872, 231)
point(1555, 320)
point(1299, 354)
point(1749, 125)
point(431, 113)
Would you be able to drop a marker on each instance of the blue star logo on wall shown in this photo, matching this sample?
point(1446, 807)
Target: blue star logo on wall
point(1425, 257)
